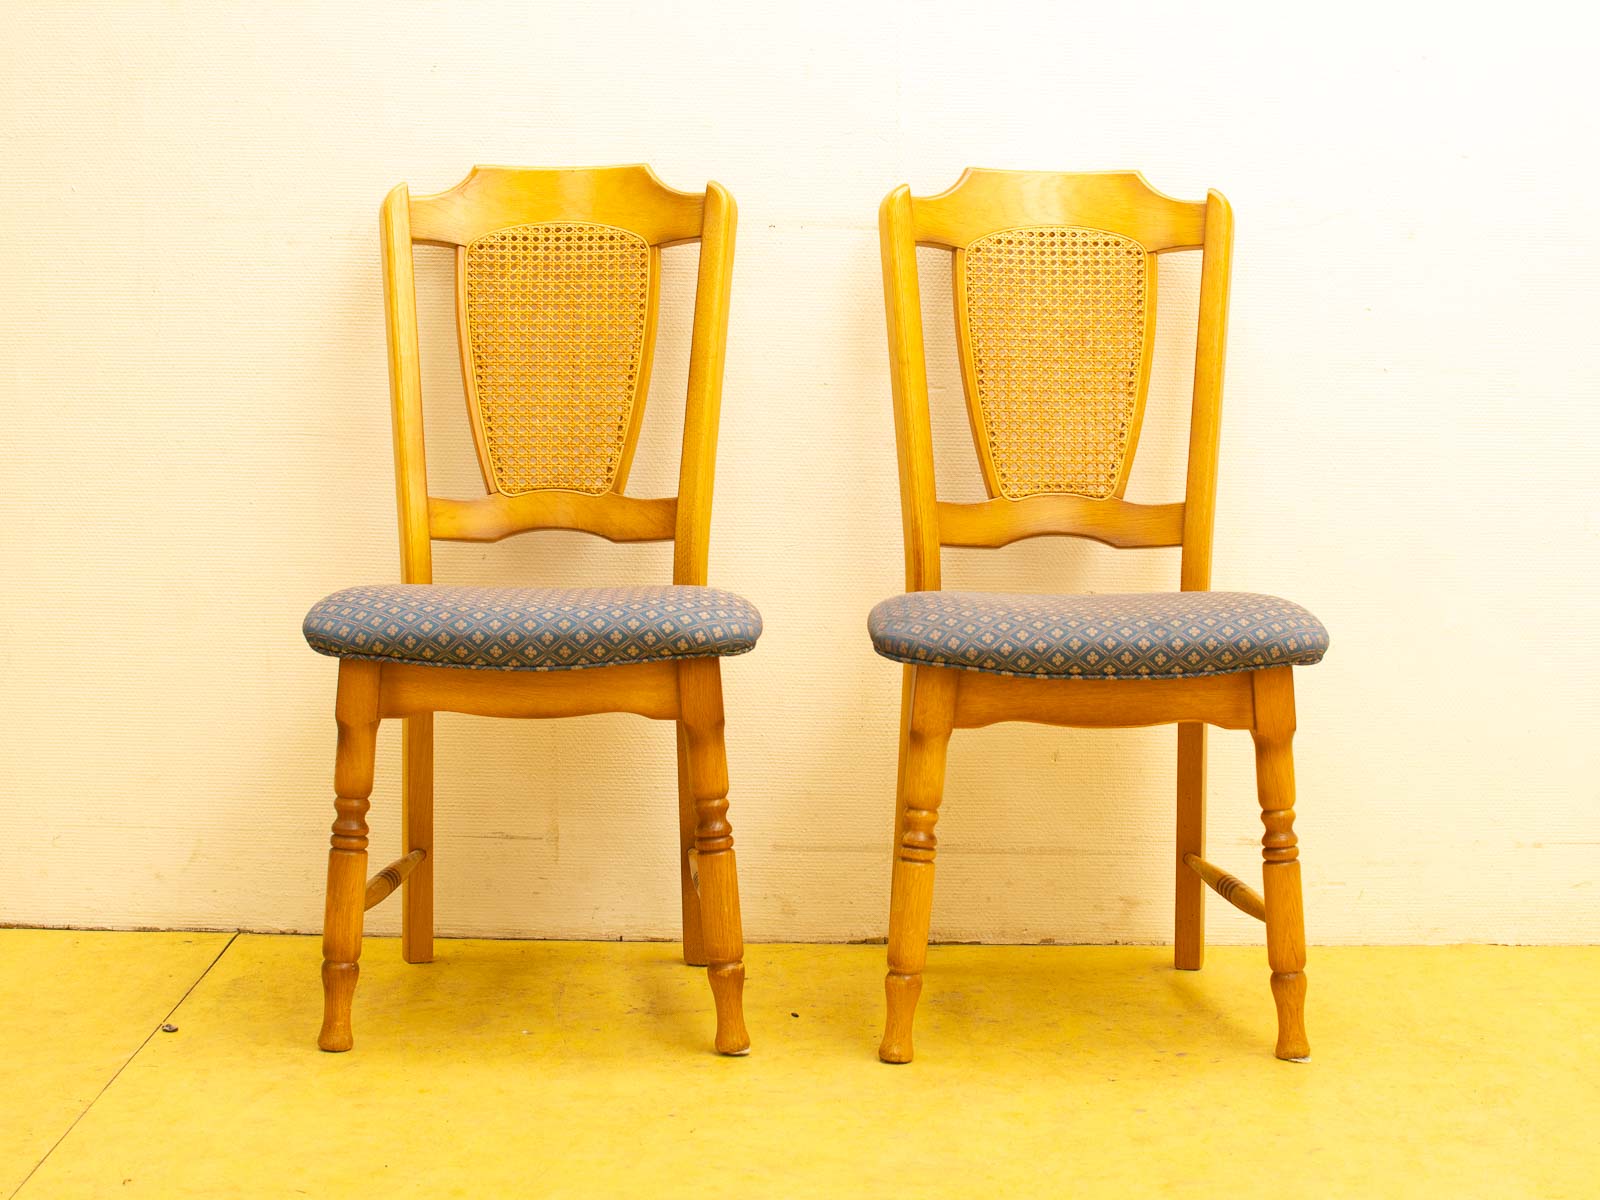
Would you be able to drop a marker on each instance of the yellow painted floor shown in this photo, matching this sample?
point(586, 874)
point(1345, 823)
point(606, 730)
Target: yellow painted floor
point(580, 1069)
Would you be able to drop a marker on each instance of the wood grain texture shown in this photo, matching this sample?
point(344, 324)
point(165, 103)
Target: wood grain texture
point(1205, 414)
point(708, 349)
point(985, 201)
point(908, 377)
point(611, 516)
point(1223, 700)
point(384, 884)
point(1280, 851)
point(694, 946)
point(1113, 521)
point(1230, 887)
point(648, 689)
point(492, 197)
point(356, 714)
point(416, 825)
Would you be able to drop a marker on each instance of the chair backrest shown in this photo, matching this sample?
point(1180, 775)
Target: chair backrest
point(1055, 296)
point(557, 282)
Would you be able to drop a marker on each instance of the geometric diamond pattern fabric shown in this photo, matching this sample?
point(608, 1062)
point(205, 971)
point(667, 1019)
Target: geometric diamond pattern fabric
point(1130, 635)
point(530, 629)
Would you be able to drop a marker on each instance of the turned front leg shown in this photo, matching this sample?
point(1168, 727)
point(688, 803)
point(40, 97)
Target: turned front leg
point(722, 933)
point(1280, 852)
point(911, 891)
point(356, 713)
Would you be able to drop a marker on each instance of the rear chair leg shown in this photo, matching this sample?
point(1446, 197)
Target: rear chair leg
point(1189, 916)
point(700, 697)
point(356, 712)
point(1286, 937)
point(911, 892)
point(416, 804)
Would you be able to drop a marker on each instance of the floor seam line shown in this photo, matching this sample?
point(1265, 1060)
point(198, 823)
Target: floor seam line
point(115, 1075)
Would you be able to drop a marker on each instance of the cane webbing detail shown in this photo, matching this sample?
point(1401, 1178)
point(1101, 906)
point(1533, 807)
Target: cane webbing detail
point(554, 319)
point(1055, 318)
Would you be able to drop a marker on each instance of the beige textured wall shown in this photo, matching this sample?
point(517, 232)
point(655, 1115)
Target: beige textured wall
point(196, 447)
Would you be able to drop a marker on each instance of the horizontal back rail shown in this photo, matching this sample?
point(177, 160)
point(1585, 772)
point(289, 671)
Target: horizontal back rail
point(611, 516)
point(1119, 523)
point(382, 885)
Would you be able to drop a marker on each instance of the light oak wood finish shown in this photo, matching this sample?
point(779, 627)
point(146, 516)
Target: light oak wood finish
point(694, 946)
point(700, 697)
point(639, 209)
point(416, 825)
point(1114, 521)
point(495, 518)
point(356, 714)
point(382, 885)
point(1189, 912)
point(1280, 851)
point(933, 712)
point(1024, 212)
point(1230, 887)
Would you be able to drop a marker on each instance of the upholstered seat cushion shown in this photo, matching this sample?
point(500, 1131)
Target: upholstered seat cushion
point(1138, 635)
point(531, 629)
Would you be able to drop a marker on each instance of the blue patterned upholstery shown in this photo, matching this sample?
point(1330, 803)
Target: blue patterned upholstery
point(1137, 635)
point(530, 629)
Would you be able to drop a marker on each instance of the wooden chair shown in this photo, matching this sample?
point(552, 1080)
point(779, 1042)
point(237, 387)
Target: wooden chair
point(557, 275)
point(1054, 289)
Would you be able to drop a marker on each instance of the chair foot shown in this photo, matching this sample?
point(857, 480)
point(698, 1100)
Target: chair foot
point(338, 994)
point(727, 992)
point(902, 992)
point(1289, 994)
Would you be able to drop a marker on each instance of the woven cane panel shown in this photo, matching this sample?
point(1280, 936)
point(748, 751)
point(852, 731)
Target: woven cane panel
point(1056, 322)
point(555, 327)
